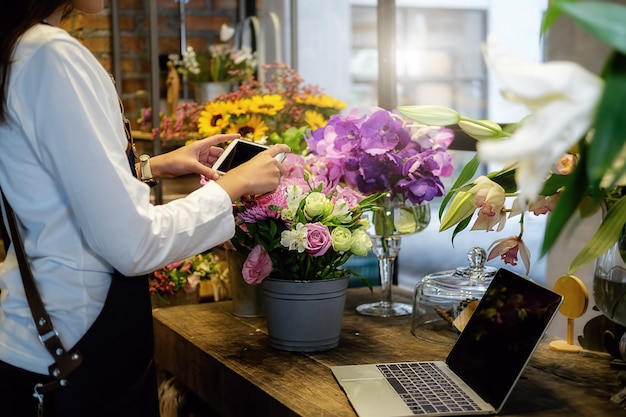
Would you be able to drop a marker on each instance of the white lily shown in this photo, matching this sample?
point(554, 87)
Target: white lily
point(562, 97)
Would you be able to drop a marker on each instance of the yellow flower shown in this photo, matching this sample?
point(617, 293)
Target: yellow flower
point(249, 127)
point(214, 118)
point(239, 107)
point(268, 104)
point(314, 119)
point(321, 101)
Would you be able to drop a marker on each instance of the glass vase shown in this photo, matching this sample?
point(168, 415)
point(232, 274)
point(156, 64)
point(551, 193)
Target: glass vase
point(394, 218)
point(609, 282)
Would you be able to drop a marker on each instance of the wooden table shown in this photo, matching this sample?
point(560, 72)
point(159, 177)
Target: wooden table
point(227, 362)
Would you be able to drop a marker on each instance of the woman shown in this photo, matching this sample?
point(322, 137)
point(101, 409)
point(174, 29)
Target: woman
point(87, 223)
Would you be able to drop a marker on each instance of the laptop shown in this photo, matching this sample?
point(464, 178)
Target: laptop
point(484, 364)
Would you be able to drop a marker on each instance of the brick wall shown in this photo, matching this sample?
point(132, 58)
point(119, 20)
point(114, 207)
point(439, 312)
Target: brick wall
point(204, 18)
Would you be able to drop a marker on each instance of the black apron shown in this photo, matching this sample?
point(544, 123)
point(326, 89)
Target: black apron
point(117, 377)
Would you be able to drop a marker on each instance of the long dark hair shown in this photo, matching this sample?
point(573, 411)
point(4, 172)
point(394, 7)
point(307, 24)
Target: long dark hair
point(16, 18)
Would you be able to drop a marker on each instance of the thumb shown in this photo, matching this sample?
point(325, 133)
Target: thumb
point(202, 169)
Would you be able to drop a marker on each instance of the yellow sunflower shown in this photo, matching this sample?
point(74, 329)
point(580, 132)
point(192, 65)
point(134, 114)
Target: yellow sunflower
point(213, 119)
point(250, 127)
point(269, 104)
point(314, 119)
point(239, 107)
point(322, 101)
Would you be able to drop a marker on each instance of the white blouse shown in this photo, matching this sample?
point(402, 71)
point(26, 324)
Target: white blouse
point(64, 169)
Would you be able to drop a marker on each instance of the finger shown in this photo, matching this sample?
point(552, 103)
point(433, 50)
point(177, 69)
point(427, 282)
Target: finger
point(278, 149)
point(220, 138)
point(216, 151)
point(209, 173)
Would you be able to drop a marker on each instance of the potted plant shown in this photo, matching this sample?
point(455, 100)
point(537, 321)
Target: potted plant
point(295, 242)
point(383, 152)
point(215, 71)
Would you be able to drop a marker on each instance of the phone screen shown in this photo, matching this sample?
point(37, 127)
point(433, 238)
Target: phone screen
point(236, 155)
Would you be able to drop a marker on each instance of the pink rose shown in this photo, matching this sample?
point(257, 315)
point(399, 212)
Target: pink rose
point(318, 239)
point(257, 266)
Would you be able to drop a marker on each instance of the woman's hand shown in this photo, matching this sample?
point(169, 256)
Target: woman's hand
point(259, 175)
point(196, 158)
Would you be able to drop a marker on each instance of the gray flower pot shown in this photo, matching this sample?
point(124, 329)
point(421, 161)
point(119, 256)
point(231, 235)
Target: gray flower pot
point(304, 316)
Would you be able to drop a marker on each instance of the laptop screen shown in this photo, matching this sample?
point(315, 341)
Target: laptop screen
point(502, 334)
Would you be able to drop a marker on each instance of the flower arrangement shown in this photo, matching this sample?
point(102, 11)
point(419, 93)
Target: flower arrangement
point(279, 110)
point(222, 62)
point(306, 230)
point(383, 152)
point(566, 156)
point(185, 274)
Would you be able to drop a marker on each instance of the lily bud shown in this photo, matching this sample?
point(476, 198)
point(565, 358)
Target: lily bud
point(462, 206)
point(431, 115)
point(481, 129)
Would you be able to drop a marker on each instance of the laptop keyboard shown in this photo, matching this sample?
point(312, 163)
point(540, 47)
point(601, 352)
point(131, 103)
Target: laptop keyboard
point(426, 389)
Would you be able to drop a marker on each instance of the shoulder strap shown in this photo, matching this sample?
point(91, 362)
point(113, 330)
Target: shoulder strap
point(65, 362)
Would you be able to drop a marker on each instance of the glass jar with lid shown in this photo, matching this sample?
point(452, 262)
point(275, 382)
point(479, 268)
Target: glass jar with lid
point(443, 301)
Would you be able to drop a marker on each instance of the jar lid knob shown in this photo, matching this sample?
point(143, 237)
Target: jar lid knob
point(476, 270)
point(477, 257)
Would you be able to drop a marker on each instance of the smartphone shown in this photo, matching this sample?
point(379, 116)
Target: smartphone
point(236, 153)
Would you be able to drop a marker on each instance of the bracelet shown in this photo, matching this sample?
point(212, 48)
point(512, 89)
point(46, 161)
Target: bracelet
point(146, 172)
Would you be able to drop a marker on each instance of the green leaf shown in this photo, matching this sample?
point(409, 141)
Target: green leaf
point(460, 227)
point(506, 180)
point(552, 15)
point(602, 19)
point(610, 124)
point(466, 175)
point(608, 233)
point(554, 183)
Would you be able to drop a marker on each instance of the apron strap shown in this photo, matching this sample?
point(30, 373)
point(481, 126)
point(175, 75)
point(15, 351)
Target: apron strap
point(65, 362)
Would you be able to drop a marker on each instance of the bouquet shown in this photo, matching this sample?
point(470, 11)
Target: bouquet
point(306, 230)
point(185, 274)
point(567, 156)
point(222, 62)
point(279, 110)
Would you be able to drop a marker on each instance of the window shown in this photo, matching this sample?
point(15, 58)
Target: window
point(438, 59)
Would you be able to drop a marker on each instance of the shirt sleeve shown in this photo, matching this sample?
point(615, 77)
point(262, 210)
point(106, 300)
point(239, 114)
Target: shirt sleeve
point(79, 137)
